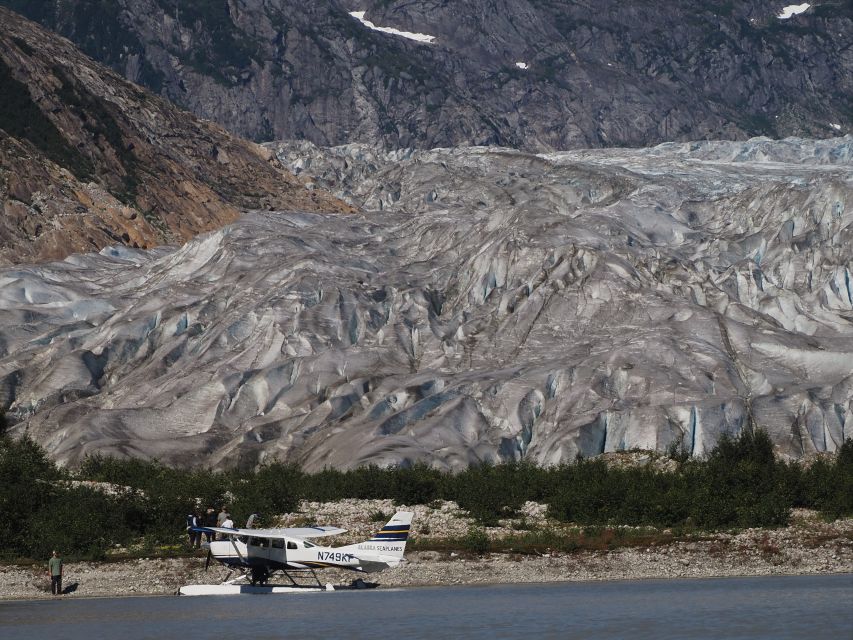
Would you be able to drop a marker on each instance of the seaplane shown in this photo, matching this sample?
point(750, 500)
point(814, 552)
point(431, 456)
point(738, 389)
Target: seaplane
point(256, 554)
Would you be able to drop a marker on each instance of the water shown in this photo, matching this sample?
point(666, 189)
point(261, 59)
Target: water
point(769, 607)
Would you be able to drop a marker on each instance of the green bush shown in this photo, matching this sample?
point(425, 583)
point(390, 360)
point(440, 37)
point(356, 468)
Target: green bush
point(490, 492)
point(476, 541)
point(742, 485)
point(271, 490)
point(828, 486)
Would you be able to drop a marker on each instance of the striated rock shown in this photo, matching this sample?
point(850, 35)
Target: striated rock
point(488, 305)
point(88, 159)
point(532, 75)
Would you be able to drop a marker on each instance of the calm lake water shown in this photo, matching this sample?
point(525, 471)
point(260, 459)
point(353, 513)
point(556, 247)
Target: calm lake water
point(775, 607)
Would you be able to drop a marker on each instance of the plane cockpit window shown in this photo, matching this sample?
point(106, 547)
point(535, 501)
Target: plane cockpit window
point(278, 543)
point(291, 544)
point(253, 542)
point(308, 545)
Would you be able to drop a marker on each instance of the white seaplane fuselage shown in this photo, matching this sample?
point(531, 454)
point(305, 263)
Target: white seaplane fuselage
point(293, 554)
point(257, 553)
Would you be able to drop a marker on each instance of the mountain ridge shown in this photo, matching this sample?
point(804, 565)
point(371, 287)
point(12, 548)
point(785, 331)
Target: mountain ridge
point(88, 159)
point(537, 76)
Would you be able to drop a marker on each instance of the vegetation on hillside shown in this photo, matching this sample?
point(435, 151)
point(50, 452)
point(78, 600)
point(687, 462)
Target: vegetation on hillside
point(739, 484)
point(21, 117)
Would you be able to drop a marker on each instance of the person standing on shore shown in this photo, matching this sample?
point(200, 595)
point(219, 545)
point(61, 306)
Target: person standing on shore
point(54, 566)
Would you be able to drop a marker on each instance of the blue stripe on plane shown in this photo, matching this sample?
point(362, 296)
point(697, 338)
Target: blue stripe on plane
point(395, 527)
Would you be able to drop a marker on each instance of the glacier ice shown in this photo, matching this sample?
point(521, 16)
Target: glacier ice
point(485, 305)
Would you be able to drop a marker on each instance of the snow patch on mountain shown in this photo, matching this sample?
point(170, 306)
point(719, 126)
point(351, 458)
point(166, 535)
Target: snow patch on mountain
point(418, 37)
point(793, 10)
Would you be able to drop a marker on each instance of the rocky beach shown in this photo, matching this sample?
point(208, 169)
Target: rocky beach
point(807, 546)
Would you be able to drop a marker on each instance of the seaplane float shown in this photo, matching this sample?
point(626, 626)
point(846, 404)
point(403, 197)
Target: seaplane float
point(257, 554)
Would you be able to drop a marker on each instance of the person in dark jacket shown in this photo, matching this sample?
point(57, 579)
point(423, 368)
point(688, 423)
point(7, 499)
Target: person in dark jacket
point(210, 521)
point(194, 536)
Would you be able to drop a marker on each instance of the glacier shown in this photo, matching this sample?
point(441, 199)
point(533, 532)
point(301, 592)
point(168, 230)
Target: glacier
point(484, 305)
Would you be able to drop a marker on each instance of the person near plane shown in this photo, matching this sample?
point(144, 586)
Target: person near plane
point(220, 518)
point(252, 520)
point(228, 523)
point(192, 532)
point(210, 520)
point(54, 566)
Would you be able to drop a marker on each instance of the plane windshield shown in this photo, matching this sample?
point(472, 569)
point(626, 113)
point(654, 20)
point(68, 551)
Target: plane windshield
point(308, 545)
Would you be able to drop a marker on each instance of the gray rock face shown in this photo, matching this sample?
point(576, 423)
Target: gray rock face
point(487, 305)
point(531, 75)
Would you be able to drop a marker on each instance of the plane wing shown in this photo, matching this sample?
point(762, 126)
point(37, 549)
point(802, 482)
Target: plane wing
point(288, 532)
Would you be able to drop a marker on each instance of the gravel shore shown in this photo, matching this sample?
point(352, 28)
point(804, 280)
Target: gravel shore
point(807, 546)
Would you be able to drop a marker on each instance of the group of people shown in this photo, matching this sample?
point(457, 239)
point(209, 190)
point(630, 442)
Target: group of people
point(211, 519)
point(208, 519)
point(194, 520)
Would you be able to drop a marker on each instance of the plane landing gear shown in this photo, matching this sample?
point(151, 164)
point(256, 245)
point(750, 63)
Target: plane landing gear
point(260, 575)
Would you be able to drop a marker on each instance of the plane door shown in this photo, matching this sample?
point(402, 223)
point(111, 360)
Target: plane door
point(258, 550)
point(278, 553)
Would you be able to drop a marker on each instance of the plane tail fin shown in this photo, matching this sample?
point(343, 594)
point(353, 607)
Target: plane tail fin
point(386, 547)
point(396, 532)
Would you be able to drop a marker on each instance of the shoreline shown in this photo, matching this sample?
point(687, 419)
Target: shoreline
point(394, 587)
point(807, 546)
point(163, 577)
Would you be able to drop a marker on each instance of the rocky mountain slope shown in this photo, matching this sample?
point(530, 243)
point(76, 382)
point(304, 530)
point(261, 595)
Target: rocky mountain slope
point(554, 74)
point(488, 304)
point(88, 159)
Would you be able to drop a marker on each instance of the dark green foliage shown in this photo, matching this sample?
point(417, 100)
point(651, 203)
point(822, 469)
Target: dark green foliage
point(827, 486)
point(271, 490)
point(491, 492)
point(83, 522)
point(476, 541)
point(20, 117)
point(168, 495)
point(589, 492)
point(25, 477)
point(740, 484)
point(417, 484)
